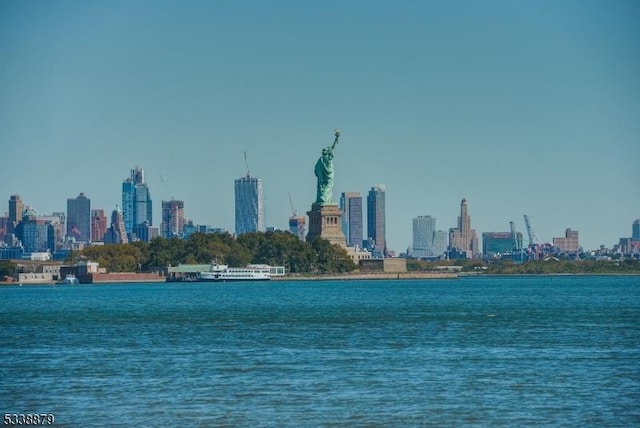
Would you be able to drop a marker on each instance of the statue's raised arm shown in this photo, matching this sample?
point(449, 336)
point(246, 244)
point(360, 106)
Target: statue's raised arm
point(335, 142)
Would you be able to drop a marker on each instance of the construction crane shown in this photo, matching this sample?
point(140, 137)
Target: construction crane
point(293, 210)
point(535, 244)
point(518, 251)
point(533, 239)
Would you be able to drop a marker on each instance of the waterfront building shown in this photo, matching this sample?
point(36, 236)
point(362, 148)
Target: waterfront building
point(136, 201)
point(463, 240)
point(15, 213)
point(249, 207)
point(376, 222)
point(569, 243)
point(79, 218)
point(497, 243)
point(98, 225)
point(352, 218)
point(172, 219)
point(427, 241)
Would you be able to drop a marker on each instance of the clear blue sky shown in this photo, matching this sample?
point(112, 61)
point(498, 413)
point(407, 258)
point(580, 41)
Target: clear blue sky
point(522, 107)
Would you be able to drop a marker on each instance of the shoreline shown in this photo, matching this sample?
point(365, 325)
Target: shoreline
point(339, 277)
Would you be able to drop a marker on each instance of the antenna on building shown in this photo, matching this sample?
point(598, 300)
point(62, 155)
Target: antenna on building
point(246, 164)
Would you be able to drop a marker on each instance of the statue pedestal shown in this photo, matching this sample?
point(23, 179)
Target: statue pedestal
point(325, 222)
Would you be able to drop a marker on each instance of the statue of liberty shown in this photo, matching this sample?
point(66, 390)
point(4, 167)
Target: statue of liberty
point(324, 173)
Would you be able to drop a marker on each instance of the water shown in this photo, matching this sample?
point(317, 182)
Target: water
point(475, 352)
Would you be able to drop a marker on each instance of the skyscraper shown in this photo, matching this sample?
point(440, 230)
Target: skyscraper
point(463, 240)
point(635, 230)
point(376, 223)
point(351, 207)
point(424, 228)
point(249, 205)
point(98, 225)
point(116, 233)
point(136, 201)
point(172, 219)
point(15, 212)
point(79, 218)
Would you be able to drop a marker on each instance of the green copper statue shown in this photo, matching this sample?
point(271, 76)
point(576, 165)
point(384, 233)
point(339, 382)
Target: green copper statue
point(324, 172)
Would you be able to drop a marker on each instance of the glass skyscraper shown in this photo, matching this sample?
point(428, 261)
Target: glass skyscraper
point(136, 201)
point(424, 228)
point(351, 207)
point(376, 222)
point(249, 205)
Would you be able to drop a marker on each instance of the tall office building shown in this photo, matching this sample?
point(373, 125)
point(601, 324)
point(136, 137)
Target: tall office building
point(635, 230)
point(98, 225)
point(376, 222)
point(172, 219)
point(79, 218)
point(136, 201)
point(424, 228)
point(15, 212)
point(249, 205)
point(463, 241)
point(351, 207)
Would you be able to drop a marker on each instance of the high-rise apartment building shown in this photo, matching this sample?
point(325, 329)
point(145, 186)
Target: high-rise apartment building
point(15, 212)
point(249, 205)
point(352, 219)
point(635, 230)
point(172, 219)
point(136, 201)
point(376, 222)
point(463, 241)
point(569, 244)
point(424, 228)
point(98, 225)
point(79, 218)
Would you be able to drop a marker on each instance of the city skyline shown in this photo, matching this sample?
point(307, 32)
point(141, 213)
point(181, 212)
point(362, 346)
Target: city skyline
point(522, 108)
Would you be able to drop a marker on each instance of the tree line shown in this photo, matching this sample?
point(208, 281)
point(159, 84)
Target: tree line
point(537, 267)
point(273, 248)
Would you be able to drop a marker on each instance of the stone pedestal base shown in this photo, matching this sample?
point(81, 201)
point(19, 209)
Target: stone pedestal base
point(325, 222)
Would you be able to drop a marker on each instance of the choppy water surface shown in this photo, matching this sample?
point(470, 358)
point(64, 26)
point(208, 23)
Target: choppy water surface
point(478, 351)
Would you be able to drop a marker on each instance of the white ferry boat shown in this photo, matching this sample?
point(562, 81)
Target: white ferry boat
point(218, 272)
point(70, 279)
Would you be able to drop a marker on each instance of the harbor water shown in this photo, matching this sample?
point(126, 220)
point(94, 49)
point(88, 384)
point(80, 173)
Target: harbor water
point(496, 351)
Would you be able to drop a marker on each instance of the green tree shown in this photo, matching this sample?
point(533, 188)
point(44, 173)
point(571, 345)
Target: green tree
point(7, 268)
